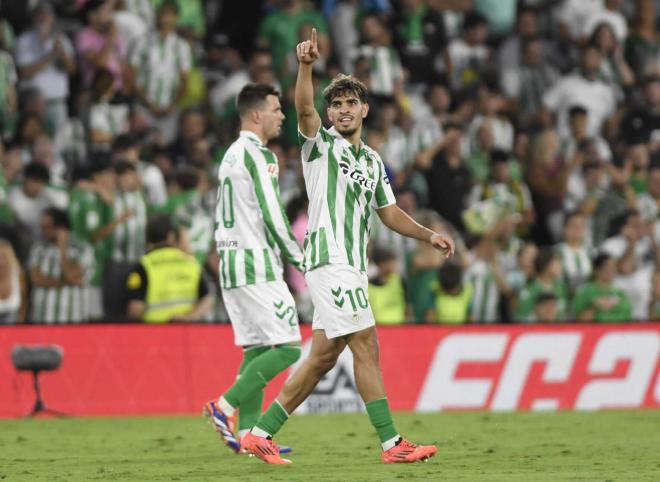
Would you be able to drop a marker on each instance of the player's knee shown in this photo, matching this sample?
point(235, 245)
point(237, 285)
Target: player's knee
point(365, 348)
point(324, 362)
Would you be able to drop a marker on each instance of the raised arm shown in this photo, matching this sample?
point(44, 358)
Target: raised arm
point(309, 121)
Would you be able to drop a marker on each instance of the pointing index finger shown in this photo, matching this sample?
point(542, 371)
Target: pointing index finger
point(313, 39)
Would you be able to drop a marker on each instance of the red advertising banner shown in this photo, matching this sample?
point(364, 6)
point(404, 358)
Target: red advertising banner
point(139, 369)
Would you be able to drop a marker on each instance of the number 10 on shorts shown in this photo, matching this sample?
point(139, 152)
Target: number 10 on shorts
point(357, 297)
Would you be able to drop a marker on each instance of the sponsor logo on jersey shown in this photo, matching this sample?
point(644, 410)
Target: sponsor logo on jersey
point(273, 170)
point(356, 176)
point(227, 243)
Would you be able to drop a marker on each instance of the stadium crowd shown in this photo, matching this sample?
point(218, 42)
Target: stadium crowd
point(529, 129)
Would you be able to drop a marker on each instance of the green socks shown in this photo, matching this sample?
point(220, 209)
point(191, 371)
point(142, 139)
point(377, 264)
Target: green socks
point(251, 407)
point(381, 418)
point(271, 421)
point(263, 366)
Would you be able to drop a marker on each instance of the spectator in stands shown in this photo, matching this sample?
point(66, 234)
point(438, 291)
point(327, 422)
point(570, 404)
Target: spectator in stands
point(422, 38)
point(614, 69)
point(526, 83)
point(641, 47)
point(45, 58)
point(128, 242)
point(582, 88)
point(394, 149)
point(643, 120)
point(8, 95)
point(521, 275)
point(186, 208)
point(579, 143)
point(32, 197)
point(575, 252)
point(387, 294)
point(545, 308)
point(99, 45)
point(93, 221)
point(192, 129)
point(447, 176)
point(107, 119)
point(60, 268)
point(548, 280)
point(490, 110)
point(547, 177)
point(167, 285)
point(503, 185)
point(510, 53)
point(600, 300)
point(279, 32)
point(43, 152)
point(386, 72)
point(486, 278)
point(632, 250)
point(13, 288)
point(468, 56)
point(127, 148)
point(422, 266)
point(452, 303)
point(160, 62)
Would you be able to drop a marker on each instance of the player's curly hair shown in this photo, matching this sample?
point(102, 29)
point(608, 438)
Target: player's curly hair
point(345, 84)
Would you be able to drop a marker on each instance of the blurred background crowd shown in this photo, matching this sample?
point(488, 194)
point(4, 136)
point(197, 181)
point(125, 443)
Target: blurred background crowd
point(529, 129)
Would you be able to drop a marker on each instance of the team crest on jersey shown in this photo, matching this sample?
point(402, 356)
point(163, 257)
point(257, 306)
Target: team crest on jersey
point(229, 159)
point(273, 170)
point(356, 176)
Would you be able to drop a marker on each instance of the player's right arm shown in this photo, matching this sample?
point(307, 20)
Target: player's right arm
point(309, 121)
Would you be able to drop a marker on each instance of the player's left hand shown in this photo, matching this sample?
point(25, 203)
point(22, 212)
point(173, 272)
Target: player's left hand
point(444, 243)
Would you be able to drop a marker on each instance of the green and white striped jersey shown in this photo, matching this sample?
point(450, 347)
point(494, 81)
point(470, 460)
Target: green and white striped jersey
point(87, 213)
point(128, 239)
point(343, 188)
point(68, 304)
point(252, 230)
point(576, 264)
point(159, 62)
point(486, 295)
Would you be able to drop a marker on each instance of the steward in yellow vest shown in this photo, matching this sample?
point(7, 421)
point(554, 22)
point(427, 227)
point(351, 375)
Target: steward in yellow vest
point(453, 299)
point(386, 292)
point(167, 285)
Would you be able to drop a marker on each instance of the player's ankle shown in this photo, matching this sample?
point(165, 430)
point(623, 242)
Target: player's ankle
point(257, 432)
point(226, 407)
point(388, 444)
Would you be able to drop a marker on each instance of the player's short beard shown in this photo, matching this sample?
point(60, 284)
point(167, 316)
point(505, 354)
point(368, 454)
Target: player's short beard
point(348, 132)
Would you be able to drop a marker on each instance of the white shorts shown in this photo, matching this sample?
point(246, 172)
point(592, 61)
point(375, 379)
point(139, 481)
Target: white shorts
point(262, 314)
point(340, 296)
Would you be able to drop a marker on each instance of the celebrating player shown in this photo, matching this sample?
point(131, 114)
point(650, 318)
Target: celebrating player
point(252, 232)
point(345, 182)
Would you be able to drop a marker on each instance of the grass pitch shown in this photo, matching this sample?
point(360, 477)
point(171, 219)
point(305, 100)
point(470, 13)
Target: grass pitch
point(606, 446)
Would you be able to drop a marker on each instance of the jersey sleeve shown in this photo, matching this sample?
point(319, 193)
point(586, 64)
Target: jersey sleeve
point(384, 195)
point(311, 148)
point(264, 173)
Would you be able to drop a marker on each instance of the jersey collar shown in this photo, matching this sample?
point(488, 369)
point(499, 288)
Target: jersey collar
point(252, 136)
point(345, 144)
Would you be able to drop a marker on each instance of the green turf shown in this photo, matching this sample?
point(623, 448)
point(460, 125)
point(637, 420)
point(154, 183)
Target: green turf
point(473, 446)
